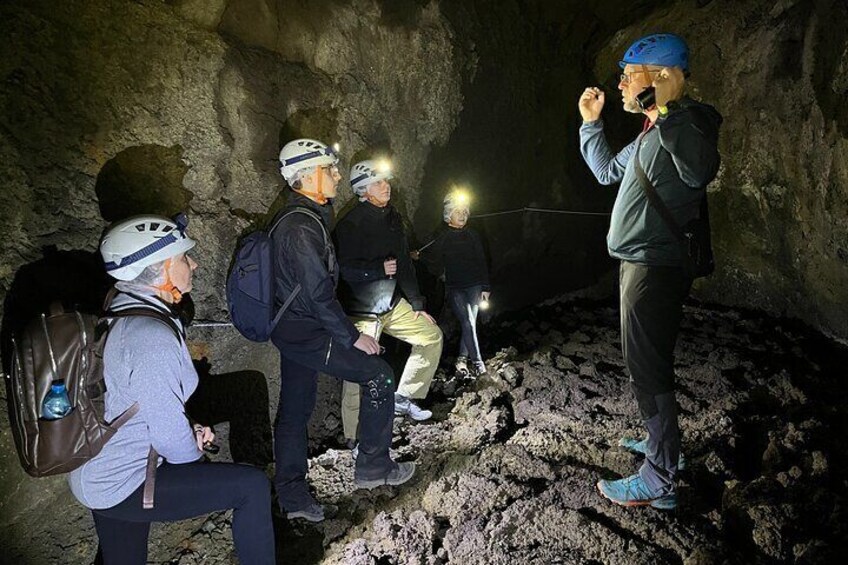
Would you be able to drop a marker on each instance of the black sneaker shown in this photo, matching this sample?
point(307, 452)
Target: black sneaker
point(398, 476)
point(314, 512)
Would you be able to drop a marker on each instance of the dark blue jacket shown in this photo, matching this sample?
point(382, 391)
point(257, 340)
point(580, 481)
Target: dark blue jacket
point(680, 157)
point(304, 257)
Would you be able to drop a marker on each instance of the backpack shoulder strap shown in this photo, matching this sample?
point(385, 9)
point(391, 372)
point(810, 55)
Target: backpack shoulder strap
point(148, 313)
point(308, 212)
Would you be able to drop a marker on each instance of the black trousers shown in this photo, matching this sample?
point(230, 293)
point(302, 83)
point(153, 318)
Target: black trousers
point(186, 491)
point(240, 398)
point(465, 303)
point(651, 310)
point(299, 367)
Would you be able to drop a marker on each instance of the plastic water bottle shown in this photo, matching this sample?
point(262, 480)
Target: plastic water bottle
point(56, 404)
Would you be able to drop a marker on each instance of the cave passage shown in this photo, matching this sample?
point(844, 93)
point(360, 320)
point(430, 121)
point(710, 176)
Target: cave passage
point(545, 179)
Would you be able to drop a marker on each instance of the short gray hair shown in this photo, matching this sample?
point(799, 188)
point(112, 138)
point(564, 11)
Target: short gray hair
point(152, 276)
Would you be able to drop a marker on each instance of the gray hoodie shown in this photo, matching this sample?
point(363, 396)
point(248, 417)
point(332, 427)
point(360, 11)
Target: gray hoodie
point(680, 157)
point(145, 362)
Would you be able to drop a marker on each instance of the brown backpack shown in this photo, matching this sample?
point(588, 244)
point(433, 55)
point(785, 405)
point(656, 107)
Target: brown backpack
point(69, 346)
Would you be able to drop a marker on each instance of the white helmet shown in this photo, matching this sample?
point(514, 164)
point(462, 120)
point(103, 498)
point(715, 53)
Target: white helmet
point(455, 201)
point(138, 242)
point(367, 172)
point(303, 154)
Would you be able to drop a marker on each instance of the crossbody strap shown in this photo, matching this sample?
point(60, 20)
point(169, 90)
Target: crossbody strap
point(652, 195)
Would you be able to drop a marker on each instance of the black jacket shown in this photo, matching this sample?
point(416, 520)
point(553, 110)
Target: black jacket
point(458, 254)
point(303, 257)
point(366, 237)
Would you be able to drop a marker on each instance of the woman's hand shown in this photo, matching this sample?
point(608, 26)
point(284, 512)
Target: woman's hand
point(203, 435)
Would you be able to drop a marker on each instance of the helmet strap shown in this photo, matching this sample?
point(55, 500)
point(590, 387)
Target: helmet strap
point(168, 286)
point(318, 195)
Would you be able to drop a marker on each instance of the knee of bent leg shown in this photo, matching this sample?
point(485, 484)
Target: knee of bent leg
point(433, 337)
point(254, 485)
point(381, 380)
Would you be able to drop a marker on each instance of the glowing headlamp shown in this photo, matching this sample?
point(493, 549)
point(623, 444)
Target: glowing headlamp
point(484, 304)
point(384, 166)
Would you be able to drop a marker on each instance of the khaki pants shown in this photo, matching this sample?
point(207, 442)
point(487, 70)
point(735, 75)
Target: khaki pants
point(426, 340)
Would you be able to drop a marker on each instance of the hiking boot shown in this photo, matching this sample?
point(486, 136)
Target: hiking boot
point(314, 512)
point(479, 368)
point(397, 476)
point(405, 407)
point(462, 367)
point(641, 446)
point(632, 491)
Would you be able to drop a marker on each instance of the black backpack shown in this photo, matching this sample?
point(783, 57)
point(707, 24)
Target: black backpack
point(251, 288)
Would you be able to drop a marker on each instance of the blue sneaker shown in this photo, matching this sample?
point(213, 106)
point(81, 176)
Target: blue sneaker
point(641, 446)
point(632, 491)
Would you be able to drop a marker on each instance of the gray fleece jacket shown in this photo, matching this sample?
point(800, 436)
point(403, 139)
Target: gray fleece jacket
point(145, 362)
point(680, 157)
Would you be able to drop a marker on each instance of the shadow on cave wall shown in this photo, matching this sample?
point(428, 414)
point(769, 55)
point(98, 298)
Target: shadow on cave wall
point(146, 179)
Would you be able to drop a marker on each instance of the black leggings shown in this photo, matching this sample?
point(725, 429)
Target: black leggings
point(186, 491)
point(465, 303)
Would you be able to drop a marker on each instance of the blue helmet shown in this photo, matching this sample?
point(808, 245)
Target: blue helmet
point(661, 49)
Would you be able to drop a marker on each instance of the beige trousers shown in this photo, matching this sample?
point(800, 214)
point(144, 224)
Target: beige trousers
point(426, 340)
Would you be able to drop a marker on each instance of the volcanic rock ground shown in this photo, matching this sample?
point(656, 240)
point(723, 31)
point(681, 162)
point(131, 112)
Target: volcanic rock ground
point(507, 467)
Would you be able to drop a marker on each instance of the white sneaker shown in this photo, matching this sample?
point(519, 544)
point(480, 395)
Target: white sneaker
point(462, 366)
point(353, 445)
point(405, 407)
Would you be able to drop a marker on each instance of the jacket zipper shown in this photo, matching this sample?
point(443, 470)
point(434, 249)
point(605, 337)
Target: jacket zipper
point(329, 350)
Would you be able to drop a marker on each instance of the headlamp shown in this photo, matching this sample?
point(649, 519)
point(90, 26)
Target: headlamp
point(384, 166)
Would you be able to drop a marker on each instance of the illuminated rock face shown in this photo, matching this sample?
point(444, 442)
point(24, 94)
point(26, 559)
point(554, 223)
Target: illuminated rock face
point(112, 108)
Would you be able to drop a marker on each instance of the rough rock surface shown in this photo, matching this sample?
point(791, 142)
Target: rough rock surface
point(506, 470)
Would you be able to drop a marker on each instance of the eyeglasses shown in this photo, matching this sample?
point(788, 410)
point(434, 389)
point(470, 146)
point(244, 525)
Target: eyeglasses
point(626, 78)
point(332, 169)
